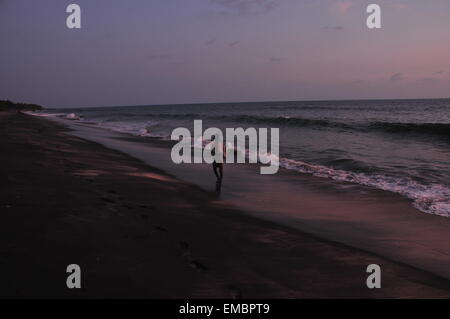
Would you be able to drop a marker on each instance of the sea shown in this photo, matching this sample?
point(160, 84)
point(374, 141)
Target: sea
point(400, 146)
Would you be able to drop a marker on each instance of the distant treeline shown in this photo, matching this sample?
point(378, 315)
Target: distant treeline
point(8, 105)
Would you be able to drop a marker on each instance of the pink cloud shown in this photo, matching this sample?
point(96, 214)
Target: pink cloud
point(400, 6)
point(343, 6)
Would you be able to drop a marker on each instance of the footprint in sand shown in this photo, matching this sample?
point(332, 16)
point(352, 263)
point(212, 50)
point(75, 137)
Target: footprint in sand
point(160, 228)
point(198, 265)
point(108, 200)
point(184, 248)
point(192, 262)
point(127, 206)
point(234, 292)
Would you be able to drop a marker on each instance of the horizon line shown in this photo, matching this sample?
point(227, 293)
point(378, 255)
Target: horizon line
point(247, 102)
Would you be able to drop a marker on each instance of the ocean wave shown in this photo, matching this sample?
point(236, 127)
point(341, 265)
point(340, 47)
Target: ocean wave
point(143, 129)
point(436, 129)
point(44, 114)
point(125, 115)
point(329, 108)
point(283, 120)
point(433, 199)
point(442, 129)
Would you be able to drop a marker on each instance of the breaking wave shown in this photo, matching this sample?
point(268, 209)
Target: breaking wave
point(432, 199)
point(440, 129)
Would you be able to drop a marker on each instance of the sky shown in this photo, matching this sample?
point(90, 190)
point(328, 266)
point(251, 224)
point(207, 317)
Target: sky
point(142, 52)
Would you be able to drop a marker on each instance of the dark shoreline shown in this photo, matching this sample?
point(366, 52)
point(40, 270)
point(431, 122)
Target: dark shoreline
point(138, 232)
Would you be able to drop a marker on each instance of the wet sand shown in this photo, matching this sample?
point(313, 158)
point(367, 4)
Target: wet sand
point(139, 231)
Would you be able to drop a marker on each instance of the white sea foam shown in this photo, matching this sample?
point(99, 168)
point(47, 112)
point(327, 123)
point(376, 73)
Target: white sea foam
point(73, 116)
point(43, 114)
point(143, 129)
point(432, 199)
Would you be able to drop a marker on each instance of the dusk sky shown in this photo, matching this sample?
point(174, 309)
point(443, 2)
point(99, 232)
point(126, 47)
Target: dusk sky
point(143, 52)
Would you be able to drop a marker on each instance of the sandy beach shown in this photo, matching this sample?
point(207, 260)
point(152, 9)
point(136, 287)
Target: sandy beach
point(139, 231)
